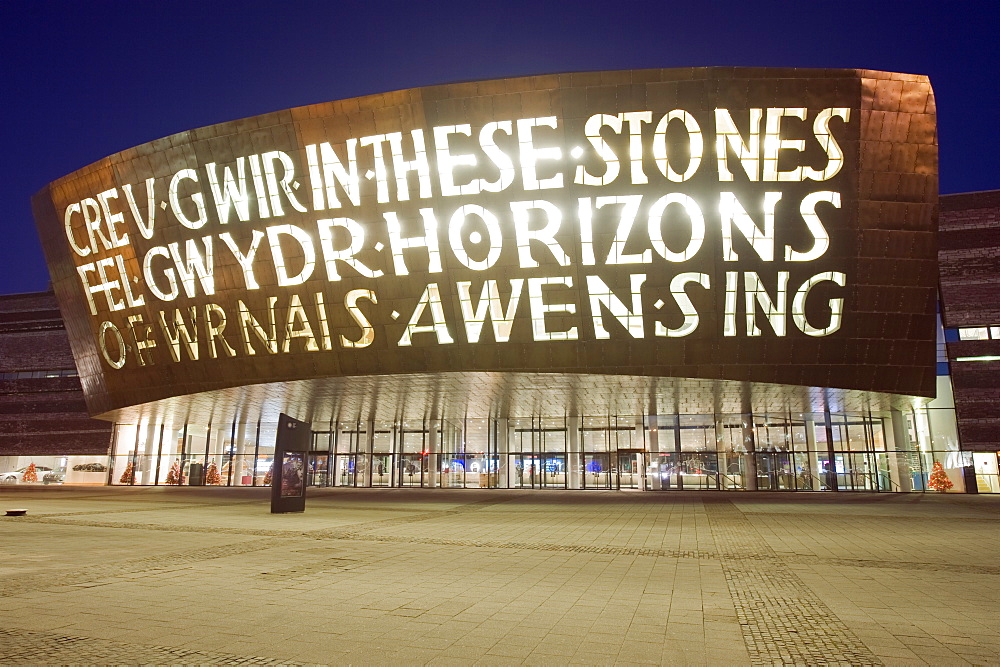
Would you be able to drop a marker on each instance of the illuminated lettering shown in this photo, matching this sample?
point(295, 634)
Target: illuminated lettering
point(774, 309)
point(429, 240)
point(835, 155)
point(245, 260)
point(489, 303)
point(630, 209)
point(546, 235)
point(539, 309)
point(402, 167)
point(249, 323)
point(592, 130)
point(678, 290)
point(821, 240)
point(457, 240)
point(367, 330)
point(327, 168)
point(214, 329)
point(345, 255)
point(145, 226)
point(178, 332)
point(193, 265)
point(233, 192)
point(747, 152)
point(447, 161)
point(634, 120)
point(530, 155)
point(733, 213)
point(112, 219)
point(297, 326)
point(695, 219)
point(601, 295)
point(305, 250)
point(696, 145)
point(836, 305)
point(430, 299)
point(197, 198)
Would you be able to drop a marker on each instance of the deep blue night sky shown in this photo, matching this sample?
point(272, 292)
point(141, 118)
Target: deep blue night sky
point(83, 80)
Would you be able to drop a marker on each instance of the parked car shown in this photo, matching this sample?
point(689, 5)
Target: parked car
point(45, 475)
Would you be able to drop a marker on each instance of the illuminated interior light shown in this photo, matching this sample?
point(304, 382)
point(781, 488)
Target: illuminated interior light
point(988, 357)
point(973, 333)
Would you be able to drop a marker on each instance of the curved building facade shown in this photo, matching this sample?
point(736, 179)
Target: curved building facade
point(709, 278)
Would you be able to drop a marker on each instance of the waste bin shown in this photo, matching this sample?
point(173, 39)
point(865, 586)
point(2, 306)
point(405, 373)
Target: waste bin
point(196, 474)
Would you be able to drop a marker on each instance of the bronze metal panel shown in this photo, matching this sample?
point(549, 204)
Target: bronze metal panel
point(881, 239)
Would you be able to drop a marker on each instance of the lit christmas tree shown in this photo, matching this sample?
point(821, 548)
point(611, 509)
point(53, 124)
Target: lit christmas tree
point(174, 475)
point(30, 473)
point(128, 477)
point(212, 475)
point(939, 479)
point(267, 477)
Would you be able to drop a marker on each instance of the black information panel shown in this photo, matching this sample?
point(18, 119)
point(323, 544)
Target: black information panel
point(291, 452)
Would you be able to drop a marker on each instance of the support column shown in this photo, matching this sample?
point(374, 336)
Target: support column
point(749, 458)
point(574, 457)
point(899, 464)
point(815, 468)
point(656, 479)
point(433, 447)
point(150, 447)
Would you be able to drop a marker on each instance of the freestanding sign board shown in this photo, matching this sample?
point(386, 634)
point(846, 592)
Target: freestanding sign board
point(291, 456)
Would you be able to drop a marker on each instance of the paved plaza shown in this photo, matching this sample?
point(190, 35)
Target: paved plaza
point(204, 575)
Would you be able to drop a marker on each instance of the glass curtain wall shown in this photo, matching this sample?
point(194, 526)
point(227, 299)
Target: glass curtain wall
point(824, 451)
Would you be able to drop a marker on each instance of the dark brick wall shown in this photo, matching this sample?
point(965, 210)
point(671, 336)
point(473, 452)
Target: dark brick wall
point(969, 256)
point(42, 416)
